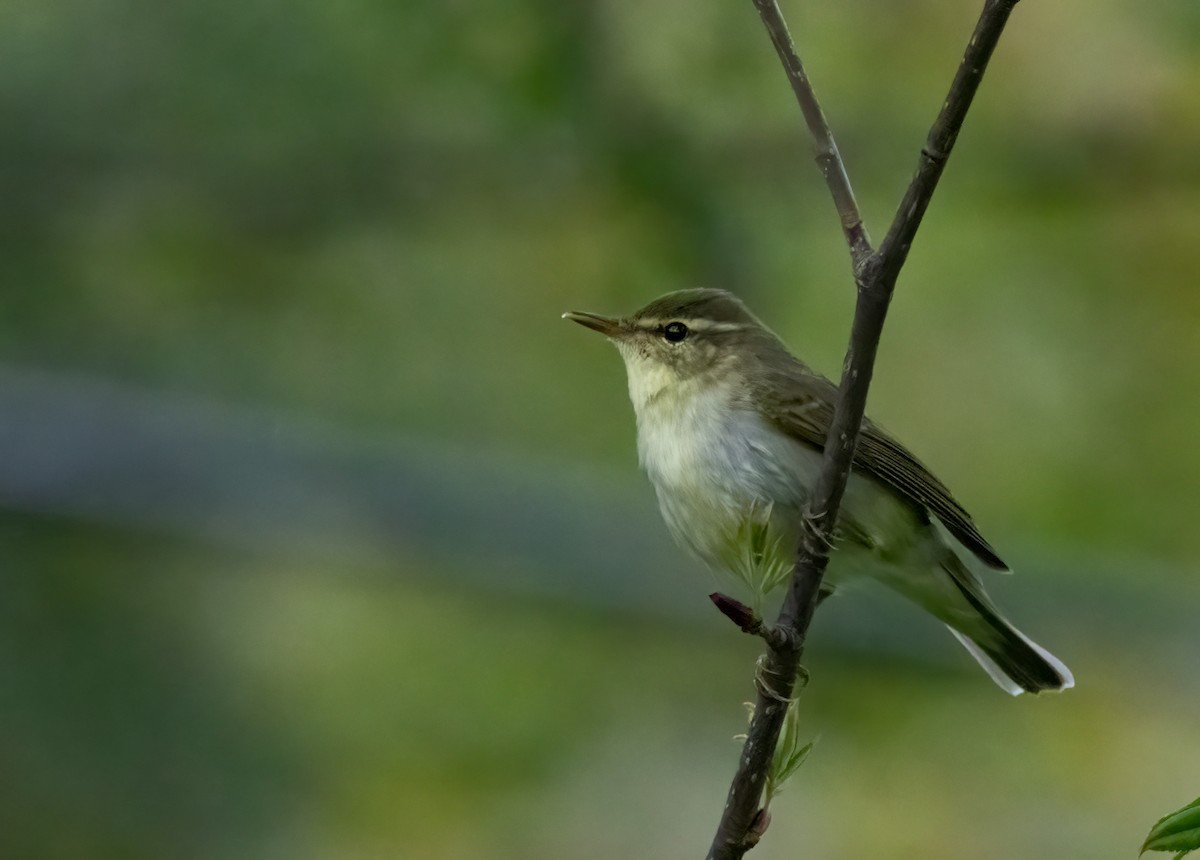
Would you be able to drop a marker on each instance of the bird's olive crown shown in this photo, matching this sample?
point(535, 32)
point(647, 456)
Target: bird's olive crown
point(713, 306)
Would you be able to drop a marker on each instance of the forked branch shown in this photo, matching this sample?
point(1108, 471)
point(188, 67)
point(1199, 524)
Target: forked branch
point(875, 274)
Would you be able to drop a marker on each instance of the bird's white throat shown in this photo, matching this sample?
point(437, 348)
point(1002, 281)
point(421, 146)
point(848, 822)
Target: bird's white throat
point(648, 379)
point(679, 419)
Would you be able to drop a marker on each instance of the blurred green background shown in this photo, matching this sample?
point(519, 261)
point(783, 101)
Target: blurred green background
point(321, 536)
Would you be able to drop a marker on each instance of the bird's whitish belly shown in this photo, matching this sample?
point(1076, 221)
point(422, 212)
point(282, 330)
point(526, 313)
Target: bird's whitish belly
point(713, 466)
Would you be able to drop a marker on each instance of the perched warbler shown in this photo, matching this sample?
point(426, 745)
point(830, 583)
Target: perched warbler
point(731, 428)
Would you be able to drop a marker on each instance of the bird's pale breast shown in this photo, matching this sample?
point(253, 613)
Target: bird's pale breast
point(713, 460)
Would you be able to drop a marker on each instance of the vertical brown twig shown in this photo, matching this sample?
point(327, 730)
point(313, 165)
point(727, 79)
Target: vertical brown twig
point(875, 274)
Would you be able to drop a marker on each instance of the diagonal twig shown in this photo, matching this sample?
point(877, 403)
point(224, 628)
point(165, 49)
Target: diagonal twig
point(875, 274)
point(829, 159)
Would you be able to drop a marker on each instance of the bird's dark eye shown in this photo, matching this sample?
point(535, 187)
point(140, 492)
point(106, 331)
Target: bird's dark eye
point(675, 332)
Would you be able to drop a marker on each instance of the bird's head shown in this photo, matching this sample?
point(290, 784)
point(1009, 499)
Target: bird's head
point(682, 337)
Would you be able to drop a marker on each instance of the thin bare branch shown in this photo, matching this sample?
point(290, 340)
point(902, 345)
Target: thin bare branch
point(829, 159)
point(942, 136)
point(876, 278)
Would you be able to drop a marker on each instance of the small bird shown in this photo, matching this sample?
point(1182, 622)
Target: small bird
point(731, 428)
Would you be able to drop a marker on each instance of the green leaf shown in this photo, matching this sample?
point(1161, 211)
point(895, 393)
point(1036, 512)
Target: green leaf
point(1179, 831)
point(789, 754)
point(756, 554)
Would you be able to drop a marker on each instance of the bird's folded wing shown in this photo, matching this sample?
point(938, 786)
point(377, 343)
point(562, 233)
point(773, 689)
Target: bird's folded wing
point(804, 410)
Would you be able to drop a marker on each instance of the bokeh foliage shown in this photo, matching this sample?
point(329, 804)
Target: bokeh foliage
point(373, 213)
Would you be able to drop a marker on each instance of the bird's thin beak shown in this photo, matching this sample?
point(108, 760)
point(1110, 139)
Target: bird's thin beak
point(607, 326)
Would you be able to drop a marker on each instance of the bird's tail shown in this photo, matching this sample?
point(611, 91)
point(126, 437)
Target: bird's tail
point(1013, 660)
point(1016, 663)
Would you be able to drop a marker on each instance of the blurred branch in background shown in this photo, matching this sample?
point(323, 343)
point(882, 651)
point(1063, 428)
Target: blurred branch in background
point(100, 451)
point(103, 451)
